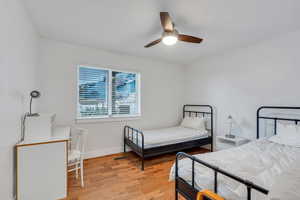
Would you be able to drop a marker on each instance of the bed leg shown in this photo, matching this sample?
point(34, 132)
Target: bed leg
point(211, 147)
point(124, 147)
point(176, 195)
point(142, 168)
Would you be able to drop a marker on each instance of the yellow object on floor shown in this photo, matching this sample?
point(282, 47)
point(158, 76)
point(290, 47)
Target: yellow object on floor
point(208, 194)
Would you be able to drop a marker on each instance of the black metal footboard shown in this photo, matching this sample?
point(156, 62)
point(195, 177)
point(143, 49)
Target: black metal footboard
point(131, 138)
point(189, 191)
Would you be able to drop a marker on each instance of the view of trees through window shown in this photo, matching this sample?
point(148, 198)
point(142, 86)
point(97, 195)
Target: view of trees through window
point(95, 94)
point(124, 96)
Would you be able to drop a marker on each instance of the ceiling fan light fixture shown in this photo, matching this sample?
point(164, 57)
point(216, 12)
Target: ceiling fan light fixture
point(170, 40)
point(170, 35)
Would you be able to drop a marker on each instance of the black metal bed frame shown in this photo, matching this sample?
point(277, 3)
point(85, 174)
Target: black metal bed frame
point(276, 119)
point(190, 192)
point(133, 142)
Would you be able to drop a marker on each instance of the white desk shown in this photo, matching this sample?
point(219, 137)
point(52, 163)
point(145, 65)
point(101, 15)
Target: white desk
point(42, 166)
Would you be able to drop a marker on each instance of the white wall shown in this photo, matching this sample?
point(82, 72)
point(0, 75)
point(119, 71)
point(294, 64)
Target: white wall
point(239, 81)
point(18, 57)
point(161, 91)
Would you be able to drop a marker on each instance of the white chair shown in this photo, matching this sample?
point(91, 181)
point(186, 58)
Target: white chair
point(76, 152)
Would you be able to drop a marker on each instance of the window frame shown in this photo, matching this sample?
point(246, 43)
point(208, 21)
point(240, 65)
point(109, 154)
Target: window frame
point(110, 116)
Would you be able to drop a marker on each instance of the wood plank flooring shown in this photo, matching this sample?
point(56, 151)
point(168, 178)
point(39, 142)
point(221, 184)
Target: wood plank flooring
point(109, 179)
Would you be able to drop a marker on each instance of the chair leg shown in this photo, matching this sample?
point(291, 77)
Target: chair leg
point(76, 170)
point(143, 166)
point(81, 173)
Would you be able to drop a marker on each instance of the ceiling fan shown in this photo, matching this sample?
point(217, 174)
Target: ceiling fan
point(170, 35)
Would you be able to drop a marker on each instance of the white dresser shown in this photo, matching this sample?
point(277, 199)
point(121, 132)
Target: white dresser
point(42, 166)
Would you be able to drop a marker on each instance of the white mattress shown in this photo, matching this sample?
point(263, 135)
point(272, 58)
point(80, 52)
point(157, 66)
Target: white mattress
point(270, 165)
point(172, 135)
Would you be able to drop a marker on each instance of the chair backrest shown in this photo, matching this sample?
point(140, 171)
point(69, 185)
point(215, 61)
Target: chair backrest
point(78, 139)
point(207, 194)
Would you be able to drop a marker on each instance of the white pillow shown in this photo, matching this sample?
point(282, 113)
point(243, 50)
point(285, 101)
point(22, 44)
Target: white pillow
point(207, 123)
point(287, 134)
point(194, 123)
point(287, 129)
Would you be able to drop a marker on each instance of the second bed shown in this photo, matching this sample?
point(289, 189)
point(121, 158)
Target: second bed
point(195, 130)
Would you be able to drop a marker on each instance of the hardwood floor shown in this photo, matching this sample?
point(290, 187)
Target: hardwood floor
point(109, 179)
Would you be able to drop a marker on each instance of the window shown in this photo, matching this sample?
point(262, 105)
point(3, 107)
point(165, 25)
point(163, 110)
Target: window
point(93, 92)
point(104, 93)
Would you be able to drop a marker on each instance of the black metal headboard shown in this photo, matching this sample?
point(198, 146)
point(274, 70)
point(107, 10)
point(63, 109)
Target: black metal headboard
point(275, 118)
point(197, 113)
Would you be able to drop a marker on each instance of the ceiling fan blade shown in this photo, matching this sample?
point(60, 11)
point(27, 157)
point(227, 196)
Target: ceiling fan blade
point(153, 43)
point(166, 22)
point(188, 38)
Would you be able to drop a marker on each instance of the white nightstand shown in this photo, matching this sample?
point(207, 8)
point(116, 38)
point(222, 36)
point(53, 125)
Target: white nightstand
point(225, 142)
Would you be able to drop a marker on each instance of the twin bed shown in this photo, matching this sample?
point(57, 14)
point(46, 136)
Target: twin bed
point(265, 169)
point(156, 142)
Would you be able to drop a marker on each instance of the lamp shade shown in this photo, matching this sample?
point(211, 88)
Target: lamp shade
point(229, 119)
point(35, 94)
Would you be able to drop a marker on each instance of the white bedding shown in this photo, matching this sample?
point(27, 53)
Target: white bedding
point(172, 135)
point(262, 162)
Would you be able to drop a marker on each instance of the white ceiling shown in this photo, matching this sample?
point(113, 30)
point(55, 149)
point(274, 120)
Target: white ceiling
point(125, 26)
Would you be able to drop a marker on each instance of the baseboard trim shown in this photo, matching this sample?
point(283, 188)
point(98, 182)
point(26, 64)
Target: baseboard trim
point(102, 152)
point(114, 150)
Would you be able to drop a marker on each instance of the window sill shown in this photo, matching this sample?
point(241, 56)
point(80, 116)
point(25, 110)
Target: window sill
point(106, 119)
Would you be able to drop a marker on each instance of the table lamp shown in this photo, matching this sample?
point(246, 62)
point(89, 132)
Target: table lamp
point(230, 122)
point(33, 95)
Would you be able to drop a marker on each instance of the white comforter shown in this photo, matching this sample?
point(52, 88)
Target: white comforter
point(172, 135)
point(270, 165)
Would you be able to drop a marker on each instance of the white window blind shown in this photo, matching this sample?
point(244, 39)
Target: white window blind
point(124, 93)
point(104, 93)
point(93, 92)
